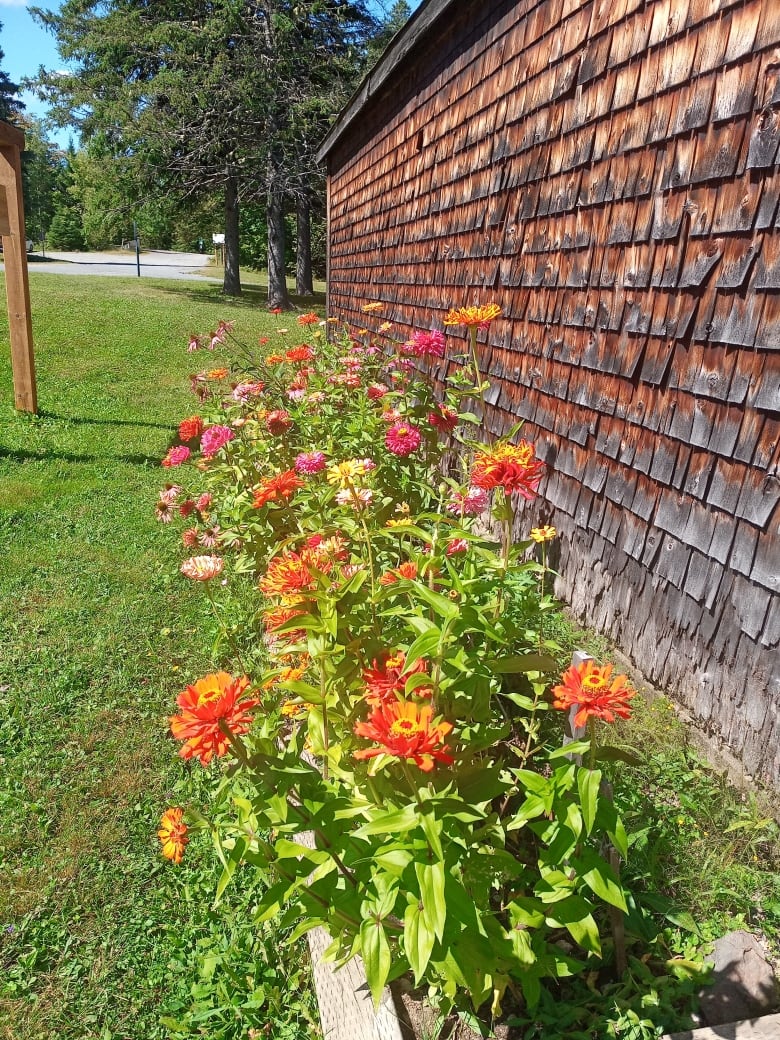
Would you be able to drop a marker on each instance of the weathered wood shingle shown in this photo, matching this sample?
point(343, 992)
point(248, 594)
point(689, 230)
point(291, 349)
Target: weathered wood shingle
point(609, 172)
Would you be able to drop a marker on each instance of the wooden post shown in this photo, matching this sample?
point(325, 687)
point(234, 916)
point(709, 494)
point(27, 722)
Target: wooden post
point(15, 254)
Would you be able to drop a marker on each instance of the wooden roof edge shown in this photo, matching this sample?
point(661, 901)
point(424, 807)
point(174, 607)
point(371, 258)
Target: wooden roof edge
point(10, 134)
point(397, 50)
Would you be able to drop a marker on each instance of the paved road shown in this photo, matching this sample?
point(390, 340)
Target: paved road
point(155, 263)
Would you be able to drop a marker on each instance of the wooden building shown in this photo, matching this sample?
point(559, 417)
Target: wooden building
point(609, 173)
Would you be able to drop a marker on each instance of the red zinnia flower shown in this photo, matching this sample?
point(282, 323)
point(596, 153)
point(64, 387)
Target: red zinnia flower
point(173, 834)
point(308, 319)
point(514, 467)
point(376, 391)
point(215, 698)
point(190, 428)
point(282, 486)
point(403, 729)
point(386, 682)
point(301, 353)
point(445, 418)
point(591, 688)
point(278, 421)
point(403, 439)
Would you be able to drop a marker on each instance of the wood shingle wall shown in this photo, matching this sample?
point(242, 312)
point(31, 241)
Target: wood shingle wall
point(608, 172)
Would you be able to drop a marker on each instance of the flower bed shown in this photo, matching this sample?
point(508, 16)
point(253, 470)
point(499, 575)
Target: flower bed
point(374, 626)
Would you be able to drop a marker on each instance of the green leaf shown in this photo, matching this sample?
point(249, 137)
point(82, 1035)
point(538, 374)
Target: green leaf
point(441, 605)
point(418, 940)
point(375, 952)
point(616, 754)
point(432, 828)
point(588, 783)
point(398, 822)
point(601, 879)
point(584, 931)
point(575, 747)
point(430, 878)
point(522, 663)
point(423, 646)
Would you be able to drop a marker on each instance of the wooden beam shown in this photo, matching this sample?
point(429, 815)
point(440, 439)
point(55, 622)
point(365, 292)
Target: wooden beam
point(16, 281)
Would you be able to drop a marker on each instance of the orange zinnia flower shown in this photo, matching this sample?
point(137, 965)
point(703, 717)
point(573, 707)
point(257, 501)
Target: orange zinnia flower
point(215, 698)
point(369, 308)
point(308, 319)
point(190, 428)
point(173, 834)
point(288, 575)
point(386, 681)
point(217, 373)
point(471, 316)
point(407, 570)
point(403, 729)
point(281, 486)
point(514, 467)
point(591, 688)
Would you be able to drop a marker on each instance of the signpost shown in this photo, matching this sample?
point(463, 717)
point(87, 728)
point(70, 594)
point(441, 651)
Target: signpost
point(15, 255)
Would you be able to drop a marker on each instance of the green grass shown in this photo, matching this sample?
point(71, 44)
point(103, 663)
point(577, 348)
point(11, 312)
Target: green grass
point(98, 936)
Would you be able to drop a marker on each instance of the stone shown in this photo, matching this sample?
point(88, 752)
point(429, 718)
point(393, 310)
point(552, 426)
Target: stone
point(744, 985)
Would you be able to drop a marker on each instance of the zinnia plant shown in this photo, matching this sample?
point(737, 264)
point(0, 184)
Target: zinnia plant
point(406, 677)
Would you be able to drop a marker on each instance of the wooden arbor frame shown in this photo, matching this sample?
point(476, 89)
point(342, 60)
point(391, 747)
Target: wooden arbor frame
point(15, 254)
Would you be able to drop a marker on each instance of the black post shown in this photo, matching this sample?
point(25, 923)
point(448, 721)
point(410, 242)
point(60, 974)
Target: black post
point(137, 249)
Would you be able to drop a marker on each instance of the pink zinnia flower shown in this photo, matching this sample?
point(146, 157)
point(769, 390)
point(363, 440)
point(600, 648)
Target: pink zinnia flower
point(390, 415)
point(428, 344)
point(403, 439)
point(470, 503)
point(170, 493)
point(310, 462)
point(249, 388)
point(214, 438)
point(209, 537)
point(164, 511)
point(204, 502)
point(202, 568)
point(358, 498)
point(176, 456)
point(296, 395)
point(455, 546)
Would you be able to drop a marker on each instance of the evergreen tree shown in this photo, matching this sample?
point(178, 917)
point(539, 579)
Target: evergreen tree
point(10, 105)
point(209, 97)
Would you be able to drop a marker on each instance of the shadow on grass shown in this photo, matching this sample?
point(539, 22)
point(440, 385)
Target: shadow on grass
point(15, 455)
point(252, 296)
point(80, 420)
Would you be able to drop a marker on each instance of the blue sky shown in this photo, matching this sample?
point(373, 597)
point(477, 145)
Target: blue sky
point(27, 46)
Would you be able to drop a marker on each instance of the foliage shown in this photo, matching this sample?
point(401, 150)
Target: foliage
point(97, 940)
point(10, 105)
point(463, 843)
point(225, 101)
point(44, 177)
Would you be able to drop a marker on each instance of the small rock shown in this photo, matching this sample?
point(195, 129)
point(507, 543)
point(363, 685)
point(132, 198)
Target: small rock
point(744, 985)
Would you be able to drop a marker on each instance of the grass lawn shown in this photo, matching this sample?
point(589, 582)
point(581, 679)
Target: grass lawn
point(100, 939)
point(98, 936)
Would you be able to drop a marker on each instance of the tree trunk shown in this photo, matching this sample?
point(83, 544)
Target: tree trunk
point(231, 285)
point(304, 285)
point(277, 283)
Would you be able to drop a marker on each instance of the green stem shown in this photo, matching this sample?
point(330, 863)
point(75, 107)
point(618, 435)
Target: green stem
point(592, 738)
point(475, 360)
point(325, 734)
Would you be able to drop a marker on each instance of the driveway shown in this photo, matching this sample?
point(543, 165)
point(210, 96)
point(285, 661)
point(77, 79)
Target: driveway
point(155, 263)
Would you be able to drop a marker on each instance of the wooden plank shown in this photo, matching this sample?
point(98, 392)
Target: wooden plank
point(17, 285)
